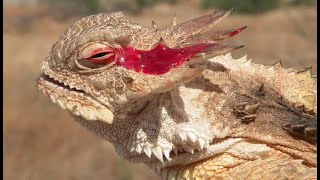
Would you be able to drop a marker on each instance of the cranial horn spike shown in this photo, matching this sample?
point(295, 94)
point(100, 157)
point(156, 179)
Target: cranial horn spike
point(185, 75)
point(162, 86)
point(161, 41)
point(276, 65)
point(305, 73)
point(221, 49)
point(305, 69)
point(154, 25)
point(200, 24)
point(280, 63)
point(174, 21)
point(225, 34)
point(215, 50)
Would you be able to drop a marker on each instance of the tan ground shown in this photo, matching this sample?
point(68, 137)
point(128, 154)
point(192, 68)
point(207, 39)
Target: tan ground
point(42, 142)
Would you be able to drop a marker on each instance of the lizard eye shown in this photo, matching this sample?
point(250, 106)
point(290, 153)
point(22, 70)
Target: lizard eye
point(96, 56)
point(101, 56)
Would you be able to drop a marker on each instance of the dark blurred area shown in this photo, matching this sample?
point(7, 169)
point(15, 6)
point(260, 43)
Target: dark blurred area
point(41, 141)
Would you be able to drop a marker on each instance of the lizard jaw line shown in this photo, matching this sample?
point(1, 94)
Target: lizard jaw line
point(55, 81)
point(77, 102)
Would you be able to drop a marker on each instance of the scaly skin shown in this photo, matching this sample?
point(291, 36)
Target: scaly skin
point(218, 118)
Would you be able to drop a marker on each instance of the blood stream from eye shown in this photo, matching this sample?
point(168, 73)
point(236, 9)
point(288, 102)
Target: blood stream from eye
point(158, 60)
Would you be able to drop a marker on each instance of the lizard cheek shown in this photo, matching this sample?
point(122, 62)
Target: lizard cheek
point(99, 84)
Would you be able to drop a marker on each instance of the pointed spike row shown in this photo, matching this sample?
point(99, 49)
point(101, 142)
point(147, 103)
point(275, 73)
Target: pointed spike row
point(139, 148)
point(183, 135)
point(248, 63)
point(200, 143)
point(191, 137)
point(157, 152)
point(166, 153)
point(132, 149)
point(147, 150)
point(242, 59)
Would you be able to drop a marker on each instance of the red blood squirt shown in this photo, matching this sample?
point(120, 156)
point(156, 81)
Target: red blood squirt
point(158, 60)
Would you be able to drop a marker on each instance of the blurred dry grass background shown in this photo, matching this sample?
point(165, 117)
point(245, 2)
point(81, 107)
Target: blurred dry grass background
point(41, 141)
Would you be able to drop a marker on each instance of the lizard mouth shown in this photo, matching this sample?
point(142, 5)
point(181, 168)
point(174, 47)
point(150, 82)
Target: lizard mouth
point(74, 99)
point(178, 156)
point(45, 77)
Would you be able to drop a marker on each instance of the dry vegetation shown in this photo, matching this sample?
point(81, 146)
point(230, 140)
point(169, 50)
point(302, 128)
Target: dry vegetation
point(42, 142)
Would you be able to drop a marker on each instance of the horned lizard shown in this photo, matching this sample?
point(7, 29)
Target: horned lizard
point(175, 101)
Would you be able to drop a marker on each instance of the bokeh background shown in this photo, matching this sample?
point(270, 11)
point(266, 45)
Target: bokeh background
point(41, 141)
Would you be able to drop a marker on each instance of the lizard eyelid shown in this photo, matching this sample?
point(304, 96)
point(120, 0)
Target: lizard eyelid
point(99, 55)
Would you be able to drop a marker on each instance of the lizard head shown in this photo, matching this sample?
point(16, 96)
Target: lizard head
point(106, 69)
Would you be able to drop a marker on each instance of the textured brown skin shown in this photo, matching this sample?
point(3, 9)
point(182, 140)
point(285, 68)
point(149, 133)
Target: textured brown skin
point(226, 118)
